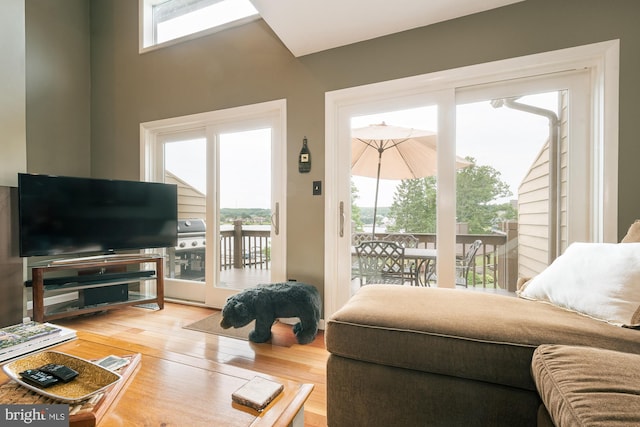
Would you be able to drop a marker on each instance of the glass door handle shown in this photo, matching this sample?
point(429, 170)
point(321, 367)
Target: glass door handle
point(341, 219)
point(275, 219)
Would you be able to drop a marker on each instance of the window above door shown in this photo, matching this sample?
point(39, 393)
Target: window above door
point(165, 22)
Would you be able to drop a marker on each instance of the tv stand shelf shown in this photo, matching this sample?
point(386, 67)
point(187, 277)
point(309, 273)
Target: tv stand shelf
point(95, 273)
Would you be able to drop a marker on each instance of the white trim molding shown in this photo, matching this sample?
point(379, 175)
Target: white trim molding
point(600, 59)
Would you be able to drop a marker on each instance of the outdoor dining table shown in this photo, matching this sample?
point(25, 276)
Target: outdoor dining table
point(422, 257)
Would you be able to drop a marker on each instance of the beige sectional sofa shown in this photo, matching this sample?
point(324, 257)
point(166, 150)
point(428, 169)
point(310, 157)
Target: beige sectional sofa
point(408, 356)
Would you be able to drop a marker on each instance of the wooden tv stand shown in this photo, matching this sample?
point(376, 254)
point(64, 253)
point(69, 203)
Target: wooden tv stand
point(94, 274)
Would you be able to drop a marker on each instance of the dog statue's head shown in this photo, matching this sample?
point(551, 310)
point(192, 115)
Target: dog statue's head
point(235, 314)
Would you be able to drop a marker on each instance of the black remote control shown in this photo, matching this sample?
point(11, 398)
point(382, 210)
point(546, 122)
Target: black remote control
point(61, 372)
point(38, 378)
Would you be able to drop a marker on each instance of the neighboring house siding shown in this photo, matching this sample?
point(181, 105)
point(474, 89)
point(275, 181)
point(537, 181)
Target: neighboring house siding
point(533, 206)
point(563, 232)
point(191, 202)
point(533, 217)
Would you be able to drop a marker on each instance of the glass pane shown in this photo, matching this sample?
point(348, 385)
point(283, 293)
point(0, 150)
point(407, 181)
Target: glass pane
point(245, 208)
point(209, 16)
point(505, 197)
point(400, 205)
point(185, 165)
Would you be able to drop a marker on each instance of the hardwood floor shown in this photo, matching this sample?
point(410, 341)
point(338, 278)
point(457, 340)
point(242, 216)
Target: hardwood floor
point(282, 357)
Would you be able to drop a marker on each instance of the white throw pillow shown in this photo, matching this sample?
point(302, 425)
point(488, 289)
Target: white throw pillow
point(601, 280)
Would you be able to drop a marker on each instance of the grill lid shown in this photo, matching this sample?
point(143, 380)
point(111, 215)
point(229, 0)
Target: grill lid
point(193, 225)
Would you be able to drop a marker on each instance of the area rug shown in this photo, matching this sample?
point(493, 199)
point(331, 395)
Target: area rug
point(211, 325)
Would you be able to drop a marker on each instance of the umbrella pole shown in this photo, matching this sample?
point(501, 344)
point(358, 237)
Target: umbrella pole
point(375, 204)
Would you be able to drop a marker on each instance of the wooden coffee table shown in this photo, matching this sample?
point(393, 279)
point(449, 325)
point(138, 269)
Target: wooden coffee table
point(174, 389)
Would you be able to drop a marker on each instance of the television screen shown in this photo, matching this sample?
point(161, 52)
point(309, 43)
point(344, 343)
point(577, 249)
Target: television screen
point(66, 215)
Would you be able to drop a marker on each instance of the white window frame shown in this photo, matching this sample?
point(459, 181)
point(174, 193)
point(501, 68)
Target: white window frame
point(146, 27)
point(602, 61)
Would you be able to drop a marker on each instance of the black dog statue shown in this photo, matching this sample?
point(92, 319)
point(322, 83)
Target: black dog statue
point(266, 303)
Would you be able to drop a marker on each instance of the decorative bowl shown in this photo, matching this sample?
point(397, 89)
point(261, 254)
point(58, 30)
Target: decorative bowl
point(92, 378)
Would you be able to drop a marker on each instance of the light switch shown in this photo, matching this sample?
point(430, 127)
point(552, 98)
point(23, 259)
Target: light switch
point(317, 188)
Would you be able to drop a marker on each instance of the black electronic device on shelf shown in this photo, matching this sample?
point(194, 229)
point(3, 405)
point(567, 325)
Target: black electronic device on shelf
point(61, 282)
point(104, 295)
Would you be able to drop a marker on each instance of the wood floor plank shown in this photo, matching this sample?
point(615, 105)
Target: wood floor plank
point(163, 330)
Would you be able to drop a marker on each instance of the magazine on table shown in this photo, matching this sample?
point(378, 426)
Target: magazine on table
point(23, 338)
point(15, 334)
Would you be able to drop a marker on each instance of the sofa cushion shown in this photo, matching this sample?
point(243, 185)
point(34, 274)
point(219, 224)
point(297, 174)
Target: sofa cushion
point(601, 280)
point(462, 333)
point(585, 386)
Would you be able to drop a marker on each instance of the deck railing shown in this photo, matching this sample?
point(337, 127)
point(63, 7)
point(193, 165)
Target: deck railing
point(243, 248)
point(496, 260)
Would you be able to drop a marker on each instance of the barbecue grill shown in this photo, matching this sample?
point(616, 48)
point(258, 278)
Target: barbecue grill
point(189, 253)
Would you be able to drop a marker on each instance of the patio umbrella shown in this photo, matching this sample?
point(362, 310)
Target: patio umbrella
point(408, 154)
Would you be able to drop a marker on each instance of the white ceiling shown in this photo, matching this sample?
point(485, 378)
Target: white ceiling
point(308, 26)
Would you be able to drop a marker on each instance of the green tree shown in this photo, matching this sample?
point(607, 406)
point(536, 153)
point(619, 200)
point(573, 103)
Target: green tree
point(356, 216)
point(476, 187)
point(413, 208)
point(414, 202)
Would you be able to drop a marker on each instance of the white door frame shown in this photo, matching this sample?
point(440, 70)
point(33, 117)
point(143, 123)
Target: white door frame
point(601, 59)
point(268, 114)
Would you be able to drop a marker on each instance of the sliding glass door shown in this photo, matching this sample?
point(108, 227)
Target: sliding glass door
point(228, 168)
point(521, 165)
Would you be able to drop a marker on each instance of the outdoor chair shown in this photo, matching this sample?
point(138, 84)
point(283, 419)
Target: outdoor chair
point(464, 265)
point(382, 262)
point(402, 239)
point(356, 239)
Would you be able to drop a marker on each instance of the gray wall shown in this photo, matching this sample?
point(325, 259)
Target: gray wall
point(58, 81)
point(249, 64)
point(12, 309)
point(12, 92)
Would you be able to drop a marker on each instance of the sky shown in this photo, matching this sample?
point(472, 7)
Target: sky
point(245, 161)
point(509, 140)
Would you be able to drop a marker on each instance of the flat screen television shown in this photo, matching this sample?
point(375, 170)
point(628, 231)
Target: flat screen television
point(66, 215)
